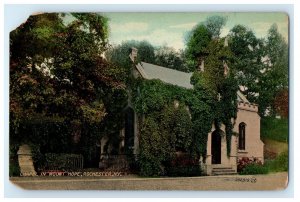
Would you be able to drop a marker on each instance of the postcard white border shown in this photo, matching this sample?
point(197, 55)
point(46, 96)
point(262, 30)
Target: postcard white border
point(14, 14)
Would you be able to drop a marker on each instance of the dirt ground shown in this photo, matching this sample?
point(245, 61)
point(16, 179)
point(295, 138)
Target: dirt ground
point(275, 146)
point(273, 181)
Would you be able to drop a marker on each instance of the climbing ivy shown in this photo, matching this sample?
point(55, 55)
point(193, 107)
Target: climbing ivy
point(167, 129)
point(163, 133)
point(229, 106)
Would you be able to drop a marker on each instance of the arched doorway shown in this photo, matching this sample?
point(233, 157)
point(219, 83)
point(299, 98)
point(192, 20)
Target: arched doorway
point(129, 130)
point(216, 147)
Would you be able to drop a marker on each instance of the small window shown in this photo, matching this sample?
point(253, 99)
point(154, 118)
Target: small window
point(242, 134)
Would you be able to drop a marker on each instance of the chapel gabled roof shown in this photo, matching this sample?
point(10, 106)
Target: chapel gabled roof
point(167, 75)
point(172, 76)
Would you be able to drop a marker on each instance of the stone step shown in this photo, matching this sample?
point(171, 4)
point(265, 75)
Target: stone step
point(223, 171)
point(223, 168)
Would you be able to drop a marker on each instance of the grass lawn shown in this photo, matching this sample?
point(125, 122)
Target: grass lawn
point(279, 164)
point(275, 135)
point(275, 129)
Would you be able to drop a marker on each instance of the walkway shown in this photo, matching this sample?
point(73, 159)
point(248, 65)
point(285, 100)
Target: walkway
point(274, 181)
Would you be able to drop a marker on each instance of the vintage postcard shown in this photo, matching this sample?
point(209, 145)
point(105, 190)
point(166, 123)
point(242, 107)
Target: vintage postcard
point(149, 101)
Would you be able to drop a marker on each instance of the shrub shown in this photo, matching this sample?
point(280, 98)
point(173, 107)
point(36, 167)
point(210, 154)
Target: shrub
point(251, 166)
point(14, 168)
point(254, 169)
point(150, 167)
point(245, 161)
point(279, 164)
point(37, 157)
point(184, 166)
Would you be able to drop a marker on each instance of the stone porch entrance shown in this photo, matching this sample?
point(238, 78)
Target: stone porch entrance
point(217, 162)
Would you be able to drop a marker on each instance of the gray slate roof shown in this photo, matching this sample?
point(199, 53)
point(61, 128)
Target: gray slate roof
point(171, 76)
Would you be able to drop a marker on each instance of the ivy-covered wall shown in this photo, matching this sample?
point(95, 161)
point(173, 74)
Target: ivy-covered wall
point(167, 129)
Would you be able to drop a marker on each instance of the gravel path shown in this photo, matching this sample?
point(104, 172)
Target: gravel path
point(274, 181)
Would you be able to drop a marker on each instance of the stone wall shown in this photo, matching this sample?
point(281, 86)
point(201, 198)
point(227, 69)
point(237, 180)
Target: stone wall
point(254, 147)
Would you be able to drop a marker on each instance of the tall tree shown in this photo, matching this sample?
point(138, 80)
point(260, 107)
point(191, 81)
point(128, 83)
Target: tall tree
point(248, 54)
point(59, 80)
point(199, 38)
point(170, 58)
point(197, 43)
point(209, 52)
point(119, 54)
point(275, 74)
point(214, 24)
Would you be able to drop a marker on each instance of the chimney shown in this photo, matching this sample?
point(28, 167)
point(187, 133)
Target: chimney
point(133, 54)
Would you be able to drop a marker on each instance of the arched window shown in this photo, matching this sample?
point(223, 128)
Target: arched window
point(242, 134)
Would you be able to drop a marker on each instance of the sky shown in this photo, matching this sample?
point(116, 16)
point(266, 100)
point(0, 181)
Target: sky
point(170, 29)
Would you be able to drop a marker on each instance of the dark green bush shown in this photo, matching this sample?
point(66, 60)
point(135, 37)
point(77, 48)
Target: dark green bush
point(150, 167)
point(14, 168)
point(254, 169)
point(183, 165)
point(37, 157)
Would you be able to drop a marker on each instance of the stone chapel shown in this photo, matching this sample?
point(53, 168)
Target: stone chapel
point(247, 124)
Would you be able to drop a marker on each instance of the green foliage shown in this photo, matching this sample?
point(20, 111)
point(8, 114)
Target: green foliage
point(119, 54)
point(213, 73)
point(248, 54)
point(214, 25)
point(275, 77)
point(164, 131)
point(247, 166)
point(183, 165)
point(200, 37)
point(183, 131)
point(197, 43)
point(150, 167)
point(221, 88)
point(279, 164)
point(37, 156)
point(97, 26)
point(94, 113)
point(170, 58)
point(261, 65)
point(275, 129)
point(58, 78)
point(154, 147)
point(204, 45)
point(254, 169)
point(14, 168)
